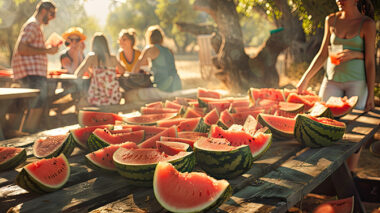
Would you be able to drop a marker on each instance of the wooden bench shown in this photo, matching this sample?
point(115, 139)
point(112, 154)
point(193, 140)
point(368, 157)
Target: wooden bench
point(276, 182)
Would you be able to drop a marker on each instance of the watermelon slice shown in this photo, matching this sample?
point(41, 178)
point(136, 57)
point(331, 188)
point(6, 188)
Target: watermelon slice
point(258, 143)
point(218, 158)
point(173, 105)
point(265, 93)
point(103, 158)
point(212, 117)
point(149, 131)
point(170, 122)
point(240, 117)
point(52, 146)
point(341, 106)
point(336, 206)
point(81, 135)
point(225, 120)
point(103, 137)
point(148, 110)
point(45, 175)
point(157, 104)
point(281, 127)
point(182, 140)
point(92, 118)
point(151, 142)
point(172, 148)
point(202, 92)
point(320, 110)
point(11, 157)
point(307, 100)
point(150, 119)
point(138, 165)
point(191, 135)
point(188, 192)
point(193, 124)
point(290, 107)
point(192, 113)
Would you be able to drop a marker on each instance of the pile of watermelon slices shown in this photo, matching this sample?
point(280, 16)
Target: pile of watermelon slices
point(221, 135)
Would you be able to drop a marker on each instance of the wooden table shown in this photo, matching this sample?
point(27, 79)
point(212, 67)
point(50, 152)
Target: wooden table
point(14, 100)
point(276, 182)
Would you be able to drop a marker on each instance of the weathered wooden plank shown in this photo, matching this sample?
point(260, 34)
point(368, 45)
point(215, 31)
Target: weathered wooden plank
point(80, 197)
point(27, 140)
point(297, 177)
point(276, 155)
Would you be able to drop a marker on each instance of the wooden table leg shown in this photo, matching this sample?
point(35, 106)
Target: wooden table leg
point(345, 187)
point(4, 105)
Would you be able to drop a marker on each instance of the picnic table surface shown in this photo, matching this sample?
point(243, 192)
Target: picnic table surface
point(14, 93)
point(276, 181)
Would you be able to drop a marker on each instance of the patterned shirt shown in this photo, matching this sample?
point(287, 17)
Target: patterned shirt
point(30, 34)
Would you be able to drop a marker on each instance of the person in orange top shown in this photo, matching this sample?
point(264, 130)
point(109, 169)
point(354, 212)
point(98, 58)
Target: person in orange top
point(128, 53)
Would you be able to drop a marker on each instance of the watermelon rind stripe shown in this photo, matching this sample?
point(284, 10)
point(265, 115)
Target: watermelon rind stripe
point(263, 149)
point(142, 175)
point(278, 134)
point(66, 148)
point(224, 164)
point(14, 162)
point(202, 126)
point(315, 134)
point(221, 124)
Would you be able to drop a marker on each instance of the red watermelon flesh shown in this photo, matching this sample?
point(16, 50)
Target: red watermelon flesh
point(188, 124)
point(119, 136)
point(148, 110)
point(157, 104)
point(267, 93)
point(327, 121)
point(341, 106)
point(307, 100)
point(267, 102)
point(258, 143)
point(336, 206)
point(189, 192)
point(215, 144)
point(140, 156)
point(7, 153)
point(46, 146)
point(149, 131)
point(192, 113)
point(290, 107)
point(151, 142)
point(212, 117)
point(149, 119)
point(91, 118)
point(170, 122)
point(219, 106)
point(191, 135)
point(81, 135)
point(226, 118)
point(240, 117)
point(286, 114)
point(172, 105)
point(208, 93)
point(104, 157)
point(53, 172)
point(305, 92)
point(171, 148)
point(280, 123)
point(182, 140)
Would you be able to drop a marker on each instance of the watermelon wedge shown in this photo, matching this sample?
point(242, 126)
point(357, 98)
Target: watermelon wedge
point(80, 136)
point(172, 148)
point(150, 119)
point(341, 106)
point(45, 175)
point(92, 118)
point(281, 127)
point(188, 192)
point(11, 157)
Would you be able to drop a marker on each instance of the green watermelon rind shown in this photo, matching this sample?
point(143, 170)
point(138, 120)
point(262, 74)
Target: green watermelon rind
point(325, 113)
point(224, 196)
point(142, 175)
point(78, 142)
point(265, 148)
point(30, 183)
point(314, 134)
point(95, 142)
point(202, 126)
point(14, 161)
point(224, 164)
point(276, 133)
point(66, 148)
point(94, 165)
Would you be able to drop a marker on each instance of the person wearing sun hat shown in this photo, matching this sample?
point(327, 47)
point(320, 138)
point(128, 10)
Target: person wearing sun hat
point(73, 55)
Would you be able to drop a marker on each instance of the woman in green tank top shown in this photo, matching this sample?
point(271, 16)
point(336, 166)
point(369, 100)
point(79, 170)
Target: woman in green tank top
point(354, 75)
point(163, 65)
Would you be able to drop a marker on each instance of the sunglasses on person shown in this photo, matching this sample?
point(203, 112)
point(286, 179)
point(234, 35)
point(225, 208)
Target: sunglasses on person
point(74, 39)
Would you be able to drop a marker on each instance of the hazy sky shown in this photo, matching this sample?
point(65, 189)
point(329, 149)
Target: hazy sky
point(98, 9)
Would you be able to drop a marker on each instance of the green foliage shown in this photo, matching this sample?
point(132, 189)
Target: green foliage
point(171, 11)
point(138, 14)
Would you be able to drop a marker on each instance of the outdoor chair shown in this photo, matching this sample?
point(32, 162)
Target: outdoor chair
point(206, 53)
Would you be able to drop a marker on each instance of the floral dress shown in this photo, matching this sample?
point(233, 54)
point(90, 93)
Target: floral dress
point(104, 87)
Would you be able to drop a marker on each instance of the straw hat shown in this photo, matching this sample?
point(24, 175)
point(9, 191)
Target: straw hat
point(74, 31)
